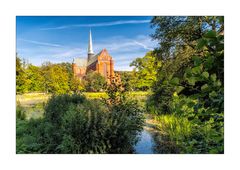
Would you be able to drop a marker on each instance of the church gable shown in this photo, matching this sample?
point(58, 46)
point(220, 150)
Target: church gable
point(104, 56)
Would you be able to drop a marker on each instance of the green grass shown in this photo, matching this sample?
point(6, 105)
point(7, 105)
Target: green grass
point(34, 98)
point(29, 99)
point(33, 103)
point(183, 136)
point(95, 95)
point(32, 111)
point(177, 128)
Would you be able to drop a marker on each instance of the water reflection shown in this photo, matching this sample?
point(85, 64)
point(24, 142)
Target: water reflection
point(145, 144)
point(151, 142)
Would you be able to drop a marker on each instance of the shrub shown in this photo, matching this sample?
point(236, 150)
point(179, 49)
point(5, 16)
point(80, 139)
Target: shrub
point(186, 136)
point(84, 129)
point(73, 124)
point(20, 113)
point(58, 105)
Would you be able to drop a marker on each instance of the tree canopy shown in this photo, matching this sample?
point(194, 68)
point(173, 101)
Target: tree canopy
point(190, 81)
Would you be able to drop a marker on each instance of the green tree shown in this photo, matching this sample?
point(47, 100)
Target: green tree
point(145, 71)
point(68, 68)
point(126, 79)
point(22, 81)
point(77, 85)
point(95, 82)
point(190, 81)
point(35, 77)
point(56, 78)
point(178, 39)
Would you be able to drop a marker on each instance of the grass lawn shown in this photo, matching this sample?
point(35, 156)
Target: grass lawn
point(34, 98)
point(33, 103)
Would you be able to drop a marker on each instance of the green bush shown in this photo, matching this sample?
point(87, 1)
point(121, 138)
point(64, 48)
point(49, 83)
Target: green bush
point(84, 129)
point(190, 83)
point(20, 113)
point(73, 124)
point(184, 136)
point(58, 105)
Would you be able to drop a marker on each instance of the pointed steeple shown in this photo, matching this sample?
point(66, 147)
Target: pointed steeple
point(90, 47)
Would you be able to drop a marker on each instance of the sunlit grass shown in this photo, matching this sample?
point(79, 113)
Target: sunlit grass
point(33, 98)
point(175, 127)
point(33, 103)
point(95, 95)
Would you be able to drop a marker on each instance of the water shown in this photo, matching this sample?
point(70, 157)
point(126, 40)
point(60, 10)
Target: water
point(146, 143)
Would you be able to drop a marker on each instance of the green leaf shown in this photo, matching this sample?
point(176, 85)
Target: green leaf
point(188, 71)
point(209, 62)
point(196, 70)
point(210, 34)
point(175, 81)
point(197, 60)
point(179, 89)
point(213, 94)
point(219, 83)
point(220, 47)
point(204, 87)
point(201, 43)
point(191, 104)
point(205, 74)
point(192, 81)
point(213, 77)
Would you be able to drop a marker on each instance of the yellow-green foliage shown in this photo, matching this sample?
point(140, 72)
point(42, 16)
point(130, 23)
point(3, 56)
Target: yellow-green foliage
point(95, 95)
point(175, 127)
point(32, 98)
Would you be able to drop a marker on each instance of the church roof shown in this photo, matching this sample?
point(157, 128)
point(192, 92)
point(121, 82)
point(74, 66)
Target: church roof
point(95, 58)
point(80, 62)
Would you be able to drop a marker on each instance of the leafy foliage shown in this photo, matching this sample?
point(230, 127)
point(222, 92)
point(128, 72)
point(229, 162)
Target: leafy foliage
point(127, 79)
point(35, 78)
point(190, 82)
point(22, 81)
point(20, 113)
point(95, 82)
point(145, 71)
point(55, 78)
point(77, 85)
point(73, 124)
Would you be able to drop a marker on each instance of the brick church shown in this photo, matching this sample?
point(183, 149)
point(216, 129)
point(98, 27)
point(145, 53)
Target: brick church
point(102, 63)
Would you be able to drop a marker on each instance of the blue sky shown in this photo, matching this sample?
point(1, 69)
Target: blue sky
point(62, 38)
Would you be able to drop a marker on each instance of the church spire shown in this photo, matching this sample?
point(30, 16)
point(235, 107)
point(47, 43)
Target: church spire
point(90, 48)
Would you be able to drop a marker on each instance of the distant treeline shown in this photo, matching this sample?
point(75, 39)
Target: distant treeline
point(59, 79)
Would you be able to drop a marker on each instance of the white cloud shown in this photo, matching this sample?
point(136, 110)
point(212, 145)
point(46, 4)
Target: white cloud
point(122, 49)
point(143, 45)
point(123, 44)
point(103, 24)
point(40, 43)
